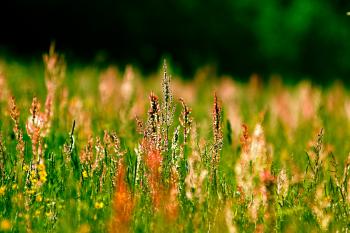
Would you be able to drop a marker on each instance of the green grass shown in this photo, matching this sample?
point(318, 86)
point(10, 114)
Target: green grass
point(90, 166)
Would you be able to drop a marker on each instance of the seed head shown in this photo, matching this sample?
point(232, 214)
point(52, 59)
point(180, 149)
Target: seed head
point(217, 124)
point(185, 120)
point(167, 106)
point(153, 134)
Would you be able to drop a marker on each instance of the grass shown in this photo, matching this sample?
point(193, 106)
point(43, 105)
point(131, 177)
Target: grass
point(90, 150)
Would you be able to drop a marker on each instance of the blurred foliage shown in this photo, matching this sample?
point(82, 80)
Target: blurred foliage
point(300, 37)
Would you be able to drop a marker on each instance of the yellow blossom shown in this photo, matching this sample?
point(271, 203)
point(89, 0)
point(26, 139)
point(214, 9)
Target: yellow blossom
point(39, 198)
point(14, 186)
point(42, 175)
point(41, 167)
point(30, 191)
point(85, 174)
point(34, 180)
point(2, 190)
point(99, 205)
point(25, 168)
point(5, 225)
point(32, 174)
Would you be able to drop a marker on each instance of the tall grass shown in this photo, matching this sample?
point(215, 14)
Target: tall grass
point(104, 153)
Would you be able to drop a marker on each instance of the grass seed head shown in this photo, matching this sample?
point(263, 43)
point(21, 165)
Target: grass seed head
point(167, 106)
point(185, 120)
point(153, 133)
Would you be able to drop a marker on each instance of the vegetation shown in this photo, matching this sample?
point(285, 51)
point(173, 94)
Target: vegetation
point(89, 150)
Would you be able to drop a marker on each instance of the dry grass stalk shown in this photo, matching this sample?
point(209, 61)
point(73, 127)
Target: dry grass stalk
point(218, 137)
point(34, 127)
point(153, 131)
point(167, 106)
point(14, 113)
point(185, 120)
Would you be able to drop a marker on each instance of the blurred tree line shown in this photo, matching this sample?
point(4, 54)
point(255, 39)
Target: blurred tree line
point(293, 37)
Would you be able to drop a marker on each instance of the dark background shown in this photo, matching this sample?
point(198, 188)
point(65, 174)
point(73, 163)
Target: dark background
point(300, 38)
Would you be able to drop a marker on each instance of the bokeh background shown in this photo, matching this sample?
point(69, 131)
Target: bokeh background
point(295, 38)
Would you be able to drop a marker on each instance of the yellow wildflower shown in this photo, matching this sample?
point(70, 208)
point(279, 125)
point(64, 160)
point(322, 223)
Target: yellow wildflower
point(85, 174)
point(32, 174)
point(25, 168)
point(42, 172)
point(2, 190)
point(5, 225)
point(42, 175)
point(99, 205)
point(39, 198)
point(14, 186)
point(41, 167)
point(34, 181)
point(30, 191)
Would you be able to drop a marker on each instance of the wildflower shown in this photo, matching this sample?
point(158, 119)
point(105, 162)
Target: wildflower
point(25, 168)
point(30, 191)
point(38, 198)
point(5, 225)
point(85, 174)
point(99, 205)
point(42, 172)
point(2, 190)
point(14, 186)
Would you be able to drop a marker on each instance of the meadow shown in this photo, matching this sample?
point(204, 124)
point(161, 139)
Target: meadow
point(84, 149)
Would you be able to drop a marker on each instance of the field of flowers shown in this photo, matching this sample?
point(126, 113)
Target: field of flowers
point(84, 149)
